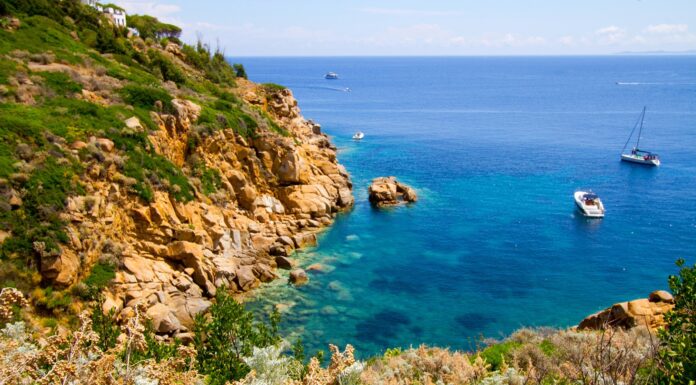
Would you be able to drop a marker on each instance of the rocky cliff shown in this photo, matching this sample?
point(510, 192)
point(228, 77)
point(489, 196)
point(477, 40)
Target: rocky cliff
point(278, 191)
point(186, 185)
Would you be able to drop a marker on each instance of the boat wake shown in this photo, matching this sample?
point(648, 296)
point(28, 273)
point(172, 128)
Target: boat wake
point(653, 84)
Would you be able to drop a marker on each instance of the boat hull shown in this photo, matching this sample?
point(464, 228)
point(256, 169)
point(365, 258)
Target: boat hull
point(640, 160)
point(589, 212)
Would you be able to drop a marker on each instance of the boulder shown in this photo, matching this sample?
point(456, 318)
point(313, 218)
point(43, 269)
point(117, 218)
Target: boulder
point(647, 312)
point(163, 319)
point(298, 277)
point(246, 280)
point(284, 262)
point(133, 123)
point(387, 191)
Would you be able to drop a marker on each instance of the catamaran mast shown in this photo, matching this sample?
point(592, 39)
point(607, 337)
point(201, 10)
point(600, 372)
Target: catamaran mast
point(642, 116)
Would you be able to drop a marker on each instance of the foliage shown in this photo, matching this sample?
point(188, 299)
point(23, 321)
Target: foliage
point(239, 70)
point(213, 64)
point(36, 226)
point(229, 334)
point(61, 83)
point(146, 96)
point(151, 27)
point(677, 358)
point(99, 278)
point(163, 66)
point(272, 87)
point(211, 179)
point(105, 325)
point(152, 171)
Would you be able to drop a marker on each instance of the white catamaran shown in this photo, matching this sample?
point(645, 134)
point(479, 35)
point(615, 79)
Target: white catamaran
point(637, 155)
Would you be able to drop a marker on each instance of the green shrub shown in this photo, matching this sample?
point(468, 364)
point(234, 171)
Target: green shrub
point(211, 179)
point(145, 97)
point(227, 335)
point(7, 69)
point(100, 277)
point(272, 87)
point(145, 167)
point(61, 83)
point(239, 70)
point(105, 325)
point(677, 356)
point(160, 64)
point(495, 354)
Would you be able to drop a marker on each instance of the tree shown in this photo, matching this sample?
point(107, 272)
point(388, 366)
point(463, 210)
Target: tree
point(228, 334)
point(677, 356)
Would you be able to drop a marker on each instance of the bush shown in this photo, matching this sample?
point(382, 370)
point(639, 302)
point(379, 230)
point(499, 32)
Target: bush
point(497, 353)
point(229, 334)
point(272, 87)
point(162, 65)
point(61, 83)
point(145, 97)
point(677, 357)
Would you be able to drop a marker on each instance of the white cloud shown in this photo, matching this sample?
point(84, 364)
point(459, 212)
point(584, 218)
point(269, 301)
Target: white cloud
point(159, 10)
point(405, 12)
point(667, 28)
point(610, 35)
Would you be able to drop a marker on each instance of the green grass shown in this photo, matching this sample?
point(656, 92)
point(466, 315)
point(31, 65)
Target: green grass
point(7, 69)
point(547, 347)
point(272, 87)
point(39, 34)
point(100, 276)
point(61, 83)
point(211, 180)
point(145, 97)
point(145, 166)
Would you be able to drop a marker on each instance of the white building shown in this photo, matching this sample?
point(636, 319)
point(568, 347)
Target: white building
point(116, 15)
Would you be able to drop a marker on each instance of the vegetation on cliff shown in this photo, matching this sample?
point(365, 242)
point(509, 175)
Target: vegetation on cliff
point(103, 132)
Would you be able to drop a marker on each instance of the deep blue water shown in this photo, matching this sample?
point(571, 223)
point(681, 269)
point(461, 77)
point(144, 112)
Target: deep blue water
point(495, 147)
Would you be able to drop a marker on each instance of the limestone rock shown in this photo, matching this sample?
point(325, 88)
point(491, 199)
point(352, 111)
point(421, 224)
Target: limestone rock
point(163, 320)
point(640, 312)
point(298, 277)
point(387, 191)
point(284, 262)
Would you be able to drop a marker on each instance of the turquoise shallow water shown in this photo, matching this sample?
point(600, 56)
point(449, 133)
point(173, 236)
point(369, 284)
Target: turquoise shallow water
point(495, 148)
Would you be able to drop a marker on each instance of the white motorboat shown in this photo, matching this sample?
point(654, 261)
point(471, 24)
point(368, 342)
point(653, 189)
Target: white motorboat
point(636, 155)
point(589, 204)
point(358, 135)
point(331, 76)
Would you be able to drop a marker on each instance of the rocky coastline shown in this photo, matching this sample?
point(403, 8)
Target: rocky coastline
point(278, 192)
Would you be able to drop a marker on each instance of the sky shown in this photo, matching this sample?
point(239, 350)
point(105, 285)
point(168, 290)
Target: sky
point(435, 27)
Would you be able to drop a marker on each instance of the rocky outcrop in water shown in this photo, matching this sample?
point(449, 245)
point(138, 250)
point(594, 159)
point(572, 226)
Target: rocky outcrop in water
point(640, 312)
point(387, 191)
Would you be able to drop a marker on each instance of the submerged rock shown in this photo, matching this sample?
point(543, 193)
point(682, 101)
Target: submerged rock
point(298, 277)
point(387, 191)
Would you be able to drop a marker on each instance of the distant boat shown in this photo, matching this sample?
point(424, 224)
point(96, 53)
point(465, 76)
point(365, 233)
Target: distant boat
point(331, 76)
point(358, 135)
point(637, 155)
point(589, 204)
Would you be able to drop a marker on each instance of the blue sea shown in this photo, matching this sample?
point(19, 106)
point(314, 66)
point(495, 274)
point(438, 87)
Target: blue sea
point(495, 147)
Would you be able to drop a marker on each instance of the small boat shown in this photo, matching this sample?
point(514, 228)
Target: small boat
point(331, 76)
point(589, 204)
point(637, 155)
point(358, 135)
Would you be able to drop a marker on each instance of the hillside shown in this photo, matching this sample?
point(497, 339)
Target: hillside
point(147, 171)
point(145, 184)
